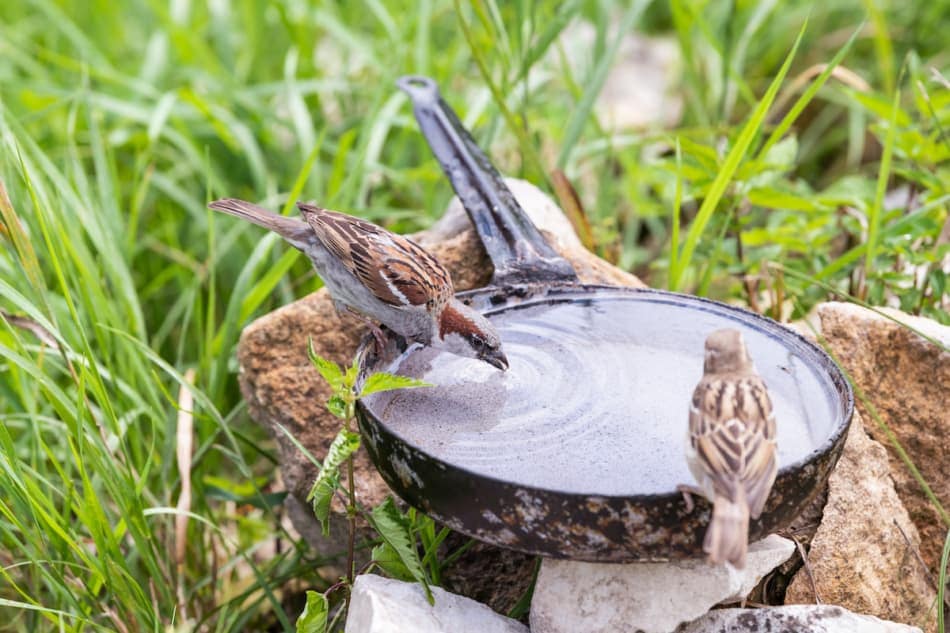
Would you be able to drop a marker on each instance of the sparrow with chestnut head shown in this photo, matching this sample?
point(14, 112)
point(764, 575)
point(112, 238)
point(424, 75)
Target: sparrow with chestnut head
point(731, 449)
point(381, 277)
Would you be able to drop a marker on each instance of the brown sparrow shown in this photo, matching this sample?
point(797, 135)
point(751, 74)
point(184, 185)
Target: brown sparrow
point(731, 449)
point(381, 276)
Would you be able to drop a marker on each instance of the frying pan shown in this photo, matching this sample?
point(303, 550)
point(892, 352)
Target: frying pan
point(576, 451)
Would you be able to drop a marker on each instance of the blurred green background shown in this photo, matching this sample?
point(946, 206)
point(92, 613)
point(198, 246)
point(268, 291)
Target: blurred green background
point(768, 186)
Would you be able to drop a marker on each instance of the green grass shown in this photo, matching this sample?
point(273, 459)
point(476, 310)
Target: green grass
point(117, 125)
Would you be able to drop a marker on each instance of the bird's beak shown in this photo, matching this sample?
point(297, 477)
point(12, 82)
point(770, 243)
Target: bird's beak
point(496, 358)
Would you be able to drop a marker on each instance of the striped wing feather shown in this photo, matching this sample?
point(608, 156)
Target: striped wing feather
point(396, 270)
point(732, 431)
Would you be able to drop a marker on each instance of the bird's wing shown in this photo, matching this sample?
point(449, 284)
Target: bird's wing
point(396, 270)
point(732, 431)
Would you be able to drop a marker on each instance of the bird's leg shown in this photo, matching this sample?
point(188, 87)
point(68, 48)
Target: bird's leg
point(688, 491)
point(378, 335)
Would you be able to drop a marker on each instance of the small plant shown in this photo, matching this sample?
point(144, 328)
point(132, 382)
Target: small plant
point(396, 553)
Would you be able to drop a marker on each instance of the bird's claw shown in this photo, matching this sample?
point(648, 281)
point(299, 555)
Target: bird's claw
point(379, 339)
point(688, 491)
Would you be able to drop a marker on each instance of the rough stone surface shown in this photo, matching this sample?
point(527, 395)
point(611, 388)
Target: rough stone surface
point(863, 555)
point(792, 619)
point(285, 394)
point(651, 597)
point(381, 605)
point(491, 575)
point(907, 379)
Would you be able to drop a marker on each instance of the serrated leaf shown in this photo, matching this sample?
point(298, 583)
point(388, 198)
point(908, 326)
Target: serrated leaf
point(330, 371)
point(344, 444)
point(388, 560)
point(351, 373)
point(387, 382)
point(314, 616)
point(393, 527)
point(337, 406)
point(321, 495)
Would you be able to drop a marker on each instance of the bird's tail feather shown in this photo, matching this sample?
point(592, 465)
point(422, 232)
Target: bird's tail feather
point(295, 231)
point(727, 537)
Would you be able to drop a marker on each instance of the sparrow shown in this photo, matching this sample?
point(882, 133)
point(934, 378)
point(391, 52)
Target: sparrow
point(381, 277)
point(731, 447)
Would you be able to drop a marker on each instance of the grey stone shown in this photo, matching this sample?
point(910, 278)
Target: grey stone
point(907, 379)
point(863, 555)
point(792, 619)
point(382, 605)
point(651, 597)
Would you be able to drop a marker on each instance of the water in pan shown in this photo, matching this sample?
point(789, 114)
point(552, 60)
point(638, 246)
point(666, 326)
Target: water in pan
point(596, 399)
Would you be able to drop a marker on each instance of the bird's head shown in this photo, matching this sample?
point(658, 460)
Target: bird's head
point(726, 352)
point(465, 332)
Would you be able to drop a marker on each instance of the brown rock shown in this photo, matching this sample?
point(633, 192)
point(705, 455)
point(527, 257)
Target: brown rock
point(863, 556)
point(907, 379)
point(488, 574)
point(283, 390)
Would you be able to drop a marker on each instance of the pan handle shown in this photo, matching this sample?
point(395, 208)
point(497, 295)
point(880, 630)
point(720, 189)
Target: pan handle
point(517, 249)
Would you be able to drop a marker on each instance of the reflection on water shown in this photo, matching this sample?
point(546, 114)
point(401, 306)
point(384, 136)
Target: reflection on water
point(596, 399)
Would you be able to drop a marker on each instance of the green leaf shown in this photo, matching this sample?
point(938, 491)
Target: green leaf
point(393, 527)
point(337, 406)
point(388, 560)
point(782, 155)
point(387, 382)
point(314, 616)
point(344, 444)
point(258, 500)
point(772, 198)
point(330, 371)
point(882, 107)
point(733, 159)
point(874, 218)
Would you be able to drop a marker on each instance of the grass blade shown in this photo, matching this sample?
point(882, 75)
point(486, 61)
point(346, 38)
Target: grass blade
point(874, 220)
point(590, 90)
point(733, 159)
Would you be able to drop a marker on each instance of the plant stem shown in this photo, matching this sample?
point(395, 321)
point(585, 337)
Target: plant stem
point(351, 510)
point(351, 514)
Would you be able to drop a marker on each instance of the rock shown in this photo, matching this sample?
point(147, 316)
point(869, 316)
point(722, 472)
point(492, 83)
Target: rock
point(771, 590)
point(651, 597)
point(859, 557)
point(285, 394)
point(381, 605)
point(642, 89)
point(510, 573)
point(792, 619)
point(907, 379)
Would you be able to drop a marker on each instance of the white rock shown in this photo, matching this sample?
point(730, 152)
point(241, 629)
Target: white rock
point(651, 597)
point(800, 617)
point(382, 605)
point(642, 89)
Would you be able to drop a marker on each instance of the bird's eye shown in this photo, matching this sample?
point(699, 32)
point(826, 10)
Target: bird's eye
point(477, 342)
